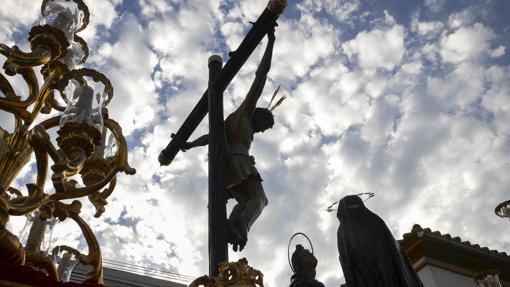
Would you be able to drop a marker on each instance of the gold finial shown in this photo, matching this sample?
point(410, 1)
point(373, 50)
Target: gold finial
point(215, 58)
point(277, 6)
point(232, 274)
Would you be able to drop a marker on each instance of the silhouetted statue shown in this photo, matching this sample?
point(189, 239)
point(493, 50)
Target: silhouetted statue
point(242, 179)
point(369, 255)
point(304, 264)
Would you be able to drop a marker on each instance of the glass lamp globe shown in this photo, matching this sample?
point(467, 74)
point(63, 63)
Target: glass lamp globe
point(64, 15)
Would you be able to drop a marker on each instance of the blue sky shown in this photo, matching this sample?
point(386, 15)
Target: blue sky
point(407, 99)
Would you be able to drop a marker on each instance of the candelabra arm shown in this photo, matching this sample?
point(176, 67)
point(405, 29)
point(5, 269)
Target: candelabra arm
point(94, 257)
point(50, 123)
point(18, 60)
point(5, 50)
point(27, 204)
point(72, 192)
point(12, 103)
point(45, 92)
point(15, 152)
point(47, 43)
point(30, 78)
point(40, 140)
point(6, 88)
point(98, 199)
point(4, 210)
point(42, 146)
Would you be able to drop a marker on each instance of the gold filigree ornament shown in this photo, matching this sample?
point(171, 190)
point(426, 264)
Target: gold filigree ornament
point(232, 274)
point(81, 166)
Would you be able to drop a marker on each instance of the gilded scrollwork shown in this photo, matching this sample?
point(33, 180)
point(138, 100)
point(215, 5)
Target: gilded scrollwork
point(232, 274)
point(80, 137)
point(94, 257)
point(11, 249)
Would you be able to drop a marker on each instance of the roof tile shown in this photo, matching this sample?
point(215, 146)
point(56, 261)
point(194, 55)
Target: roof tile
point(417, 228)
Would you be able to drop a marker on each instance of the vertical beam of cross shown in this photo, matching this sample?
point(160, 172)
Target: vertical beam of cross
point(218, 247)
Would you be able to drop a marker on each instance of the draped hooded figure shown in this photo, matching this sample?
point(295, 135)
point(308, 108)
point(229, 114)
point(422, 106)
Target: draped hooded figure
point(369, 255)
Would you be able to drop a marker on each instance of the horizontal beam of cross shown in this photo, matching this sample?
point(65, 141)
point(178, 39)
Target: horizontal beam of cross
point(265, 23)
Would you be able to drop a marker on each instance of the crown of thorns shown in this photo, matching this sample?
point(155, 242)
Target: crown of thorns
point(279, 102)
point(332, 206)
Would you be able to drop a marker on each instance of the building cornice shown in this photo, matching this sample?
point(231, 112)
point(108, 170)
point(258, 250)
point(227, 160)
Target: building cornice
point(426, 247)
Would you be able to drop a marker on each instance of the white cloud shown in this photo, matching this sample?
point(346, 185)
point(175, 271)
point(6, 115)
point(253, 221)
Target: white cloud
point(377, 48)
point(462, 18)
point(331, 90)
point(463, 87)
point(150, 8)
point(343, 10)
point(302, 44)
point(381, 119)
point(428, 29)
point(249, 10)
point(498, 52)
point(434, 5)
point(14, 13)
point(129, 64)
point(497, 98)
point(379, 113)
point(466, 43)
point(103, 14)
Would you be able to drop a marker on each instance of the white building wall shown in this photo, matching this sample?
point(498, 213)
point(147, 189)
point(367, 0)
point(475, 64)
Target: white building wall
point(120, 278)
point(426, 276)
point(435, 277)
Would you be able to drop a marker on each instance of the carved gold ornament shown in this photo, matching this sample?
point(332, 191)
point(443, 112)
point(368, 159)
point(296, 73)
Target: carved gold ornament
point(81, 167)
point(232, 274)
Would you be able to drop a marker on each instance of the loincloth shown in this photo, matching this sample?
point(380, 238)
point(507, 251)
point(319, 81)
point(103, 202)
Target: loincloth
point(239, 168)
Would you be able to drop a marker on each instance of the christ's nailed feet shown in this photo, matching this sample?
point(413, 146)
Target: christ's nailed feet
point(235, 235)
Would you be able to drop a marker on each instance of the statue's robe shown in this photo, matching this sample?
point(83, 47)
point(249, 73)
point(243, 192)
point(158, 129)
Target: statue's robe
point(369, 255)
point(299, 280)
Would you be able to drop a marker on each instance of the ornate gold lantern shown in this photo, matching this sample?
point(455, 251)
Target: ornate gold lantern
point(81, 167)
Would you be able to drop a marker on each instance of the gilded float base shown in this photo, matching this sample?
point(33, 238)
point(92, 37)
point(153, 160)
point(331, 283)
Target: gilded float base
point(232, 274)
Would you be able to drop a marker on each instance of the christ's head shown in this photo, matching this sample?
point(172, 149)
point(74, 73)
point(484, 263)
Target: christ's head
point(263, 119)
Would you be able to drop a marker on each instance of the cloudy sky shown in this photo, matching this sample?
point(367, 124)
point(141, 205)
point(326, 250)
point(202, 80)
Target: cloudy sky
point(407, 99)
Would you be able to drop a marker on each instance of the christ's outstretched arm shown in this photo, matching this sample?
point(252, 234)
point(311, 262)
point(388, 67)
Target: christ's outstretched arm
point(200, 141)
point(250, 102)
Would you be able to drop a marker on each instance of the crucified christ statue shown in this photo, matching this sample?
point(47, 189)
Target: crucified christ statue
point(242, 179)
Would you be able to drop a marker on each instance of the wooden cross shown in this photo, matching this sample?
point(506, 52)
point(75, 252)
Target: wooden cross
point(212, 102)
